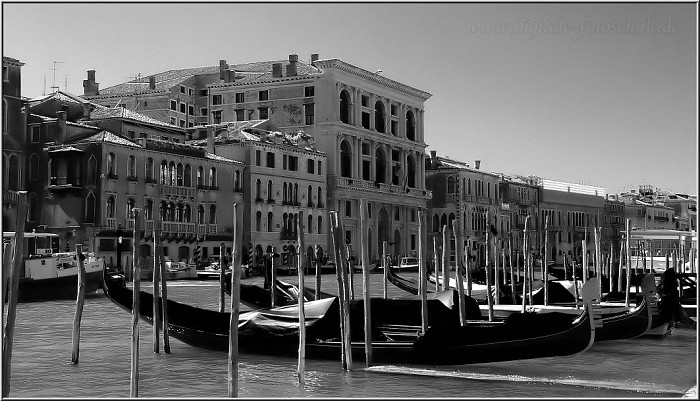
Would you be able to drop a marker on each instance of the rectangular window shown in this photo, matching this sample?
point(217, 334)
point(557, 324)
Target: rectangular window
point(262, 113)
point(310, 166)
point(173, 120)
point(5, 74)
point(365, 101)
point(262, 95)
point(365, 120)
point(319, 167)
point(173, 105)
point(284, 162)
point(182, 89)
point(36, 133)
point(308, 91)
point(413, 242)
point(190, 91)
point(293, 163)
point(216, 116)
point(365, 148)
point(394, 127)
point(257, 157)
point(240, 97)
point(202, 92)
point(270, 160)
point(240, 115)
point(348, 209)
point(393, 109)
point(216, 99)
point(182, 123)
point(131, 134)
point(190, 110)
point(308, 114)
point(182, 108)
point(203, 111)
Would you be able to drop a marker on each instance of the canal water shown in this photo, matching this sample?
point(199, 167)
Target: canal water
point(41, 361)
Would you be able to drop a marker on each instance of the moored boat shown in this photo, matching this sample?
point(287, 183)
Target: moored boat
point(47, 274)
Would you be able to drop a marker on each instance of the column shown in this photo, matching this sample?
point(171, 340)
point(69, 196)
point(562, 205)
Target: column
point(373, 161)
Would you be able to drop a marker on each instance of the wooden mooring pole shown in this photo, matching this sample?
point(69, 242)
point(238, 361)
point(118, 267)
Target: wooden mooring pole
point(134, 387)
point(157, 323)
point(436, 264)
point(385, 264)
point(302, 318)
point(489, 279)
point(512, 273)
point(164, 295)
point(232, 377)
point(367, 299)
point(273, 277)
point(628, 269)
point(222, 278)
point(545, 264)
point(346, 295)
point(79, 303)
point(317, 273)
point(445, 258)
point(458, 278)
point(13, 296)
point(423, 270)
point(338, 246)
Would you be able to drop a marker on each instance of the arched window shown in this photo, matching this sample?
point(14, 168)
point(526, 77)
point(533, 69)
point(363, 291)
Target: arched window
point(443, 221)
point(33, 206)
point(172, 174)
point(320, 197)
point(269, 222)
point(164, 172)
point(92, 170)
point(148, 171)
point(200, 177)
point(212, 177)
point(33, 166)
point(171, 211)
point(380, 165)
point(345, 107)
point(290, 199)
point(130, 204)
point(309, 195)
point(258, 221)
point(411, 173)
point(13, 174)
point(148, 209)
point(200, 214)
point(258, 189)
point(237, 181)
point(90, 208)
point(284, 222)
point(310, 224)
point(452, 221)
point(131, 167)
point(53, 172)
point(296, 194)
point(345, 159)
point(180, 175)
point(379, 116)
point(212, 214)
point(319, 227)
point(111, 164)
point(284, 193)
point(410, 126)
point(436, 223)
point(187, 180)
point(450, 185)
point(4, 116)
point(188, 214)
point(269, 190)
point(111, 203)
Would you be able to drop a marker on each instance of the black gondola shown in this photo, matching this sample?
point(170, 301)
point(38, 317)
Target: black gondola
point(395, 330)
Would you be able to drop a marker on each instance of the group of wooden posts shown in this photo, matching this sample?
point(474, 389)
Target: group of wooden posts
point(344, 291)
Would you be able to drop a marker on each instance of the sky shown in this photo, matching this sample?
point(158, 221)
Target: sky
point(601, 94)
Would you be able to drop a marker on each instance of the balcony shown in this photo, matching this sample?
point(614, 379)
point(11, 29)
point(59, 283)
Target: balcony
point(111, 222)
point(271, 201)
point(177, 191)
point(150, 180)
point(132, 178)
point(63, 183)
point(259, 200)
point(450, 197)
point(177, 227)
point(112, 176)
point(320, 205)
point(288, 235)
point(10, 197)
point(660, 218)
point(378, 188)
point(310, 204)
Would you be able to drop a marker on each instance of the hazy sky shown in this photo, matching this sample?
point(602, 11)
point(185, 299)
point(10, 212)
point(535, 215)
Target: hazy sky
point(593, 93)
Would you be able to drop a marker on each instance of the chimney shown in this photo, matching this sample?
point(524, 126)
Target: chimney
point(292, 66)
point(61, 124)
point(210, 139)
point(152, 82)
point(277, 70)
point(477, 164)
point(433, 159)
point(90, 87)
point(223, 67)
point(314, 58)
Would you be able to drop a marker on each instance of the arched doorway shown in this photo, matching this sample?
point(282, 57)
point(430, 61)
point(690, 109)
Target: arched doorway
point(380, 165)
point(345, 160)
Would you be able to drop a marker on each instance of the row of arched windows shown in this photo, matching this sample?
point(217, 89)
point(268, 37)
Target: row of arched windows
point(385, 171)
point(290, 193)
point(384, 122)
point(289, 223)
point(467, 183)
point(168, 211)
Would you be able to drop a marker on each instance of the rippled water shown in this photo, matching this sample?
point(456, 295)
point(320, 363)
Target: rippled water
point(41, 362)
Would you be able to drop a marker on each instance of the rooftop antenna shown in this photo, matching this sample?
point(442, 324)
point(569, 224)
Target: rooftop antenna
point(65, 85)
point(43, 92)
point(54, 87)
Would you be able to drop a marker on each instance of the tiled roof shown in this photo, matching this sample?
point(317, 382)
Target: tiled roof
point(247, 72)
point(106, 136)
point(101, 113)
point(221, 158)
point(58, 95)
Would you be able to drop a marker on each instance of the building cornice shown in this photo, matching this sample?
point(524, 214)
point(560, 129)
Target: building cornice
point(372, 77)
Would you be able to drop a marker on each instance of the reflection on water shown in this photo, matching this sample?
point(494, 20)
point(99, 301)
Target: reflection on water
point(42, 352)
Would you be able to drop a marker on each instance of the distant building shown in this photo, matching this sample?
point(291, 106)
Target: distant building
point(13, 140)
point(283, 180)
point(370, 128)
